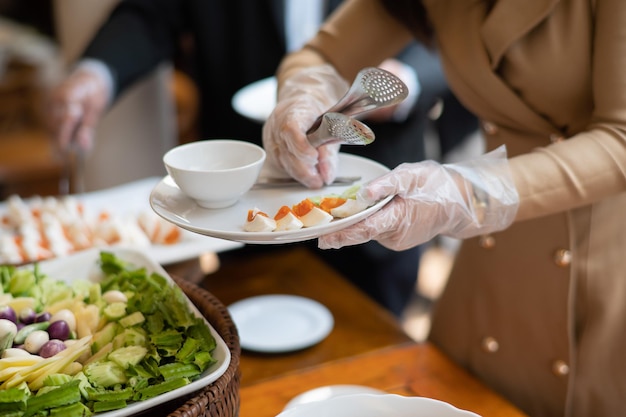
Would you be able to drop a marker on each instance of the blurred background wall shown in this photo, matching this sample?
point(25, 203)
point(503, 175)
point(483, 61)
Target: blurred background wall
point(136, 132)
point(140, 127)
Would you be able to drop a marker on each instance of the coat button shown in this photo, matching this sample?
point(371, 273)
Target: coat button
point(490, 344)
point(560, 368)
point(563, 257)
point(487, 241)
point(554, 138)
point(490, 128)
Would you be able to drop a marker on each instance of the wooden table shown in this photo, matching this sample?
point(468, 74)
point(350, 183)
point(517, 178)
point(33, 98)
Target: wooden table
point(412, 370)
point(366, 347)
point(360, 324)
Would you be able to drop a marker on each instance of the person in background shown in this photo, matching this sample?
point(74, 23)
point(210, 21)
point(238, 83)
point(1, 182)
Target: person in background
point(237, 42)
point(536, 302)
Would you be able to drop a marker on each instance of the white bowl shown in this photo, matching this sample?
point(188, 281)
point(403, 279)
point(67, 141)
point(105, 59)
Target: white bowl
point(216, 172)
point(373, 405)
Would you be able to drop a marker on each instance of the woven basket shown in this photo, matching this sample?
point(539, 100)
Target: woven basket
point(220, 398)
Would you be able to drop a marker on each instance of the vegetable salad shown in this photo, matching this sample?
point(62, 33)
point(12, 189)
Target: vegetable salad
point(83, 348)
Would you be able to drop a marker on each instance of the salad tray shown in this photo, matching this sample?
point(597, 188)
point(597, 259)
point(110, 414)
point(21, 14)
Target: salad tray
point(216, 392)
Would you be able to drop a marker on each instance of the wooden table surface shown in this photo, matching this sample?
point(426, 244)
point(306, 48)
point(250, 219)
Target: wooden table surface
point(418, 369)
point(360, 324)
point(367, 345)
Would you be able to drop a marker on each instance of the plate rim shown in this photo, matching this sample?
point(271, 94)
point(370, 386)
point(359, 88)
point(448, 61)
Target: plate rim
point(325, 321)
point(353, 388)
point(280, 237)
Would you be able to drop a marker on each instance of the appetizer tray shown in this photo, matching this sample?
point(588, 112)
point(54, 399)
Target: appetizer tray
point(121, 205)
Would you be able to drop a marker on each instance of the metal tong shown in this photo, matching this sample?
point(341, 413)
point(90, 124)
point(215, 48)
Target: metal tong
point(372, 88)
point(339, 128)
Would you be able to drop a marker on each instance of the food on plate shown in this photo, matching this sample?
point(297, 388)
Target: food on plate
point(312, 211)
point(311, 214)
point(286, 219)
point(47, 227)
point(90, 347)
point(157, 229)
point(349, 207)
point(259, 221)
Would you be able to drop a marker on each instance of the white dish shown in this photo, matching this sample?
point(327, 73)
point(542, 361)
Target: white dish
point(373, 405)
point(169, 202)
point(280, 323)
point(256, 100)
point(132, 199)
point(83, 265)
point(330, 391)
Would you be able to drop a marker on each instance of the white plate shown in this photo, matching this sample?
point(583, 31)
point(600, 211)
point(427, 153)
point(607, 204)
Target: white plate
point(280, 323)
point(373, 405)
point(257, 100)
point(132, 199)
point(170, 203)
point(330, 391)
point(83, 265)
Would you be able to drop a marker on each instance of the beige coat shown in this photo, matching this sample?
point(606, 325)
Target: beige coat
point(538, 311)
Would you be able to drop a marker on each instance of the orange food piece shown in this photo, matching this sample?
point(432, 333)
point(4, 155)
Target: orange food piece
point(282, 212)
point(303, 207)
point(329, 203)
point(172, 237)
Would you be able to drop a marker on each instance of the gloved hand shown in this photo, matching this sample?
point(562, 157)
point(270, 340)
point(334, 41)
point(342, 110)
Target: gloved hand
point(459, 200)
point(77, 105)
point(302, 98)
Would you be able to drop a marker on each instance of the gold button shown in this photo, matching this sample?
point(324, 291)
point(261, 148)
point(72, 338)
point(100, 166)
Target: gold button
point(490, 128)
point(487, 241)
point(560, 368)
point(554, 138)
point(563, 257)
point(490, 344)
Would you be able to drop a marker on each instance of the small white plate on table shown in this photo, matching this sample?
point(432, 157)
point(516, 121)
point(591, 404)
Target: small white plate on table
point(169, 202)
point(376, 405)
point(280, 323)
point(257, 100)
point(330, 391)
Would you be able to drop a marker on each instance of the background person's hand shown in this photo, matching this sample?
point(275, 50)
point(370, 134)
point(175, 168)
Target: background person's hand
point(302, 98)
point(76, 107)
point(459, 200)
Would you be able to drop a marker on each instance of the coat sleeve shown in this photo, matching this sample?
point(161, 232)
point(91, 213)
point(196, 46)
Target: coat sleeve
point(136, 37)
point(590, 165)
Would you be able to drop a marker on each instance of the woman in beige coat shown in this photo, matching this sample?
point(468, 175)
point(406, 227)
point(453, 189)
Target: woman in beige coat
point(536, 303)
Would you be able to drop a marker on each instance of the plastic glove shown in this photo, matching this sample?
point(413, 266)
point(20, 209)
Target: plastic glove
point(77, 105)
point(459, 200)
point(302, 98)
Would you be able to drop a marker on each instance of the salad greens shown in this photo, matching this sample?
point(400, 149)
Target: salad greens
point(147, 345)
